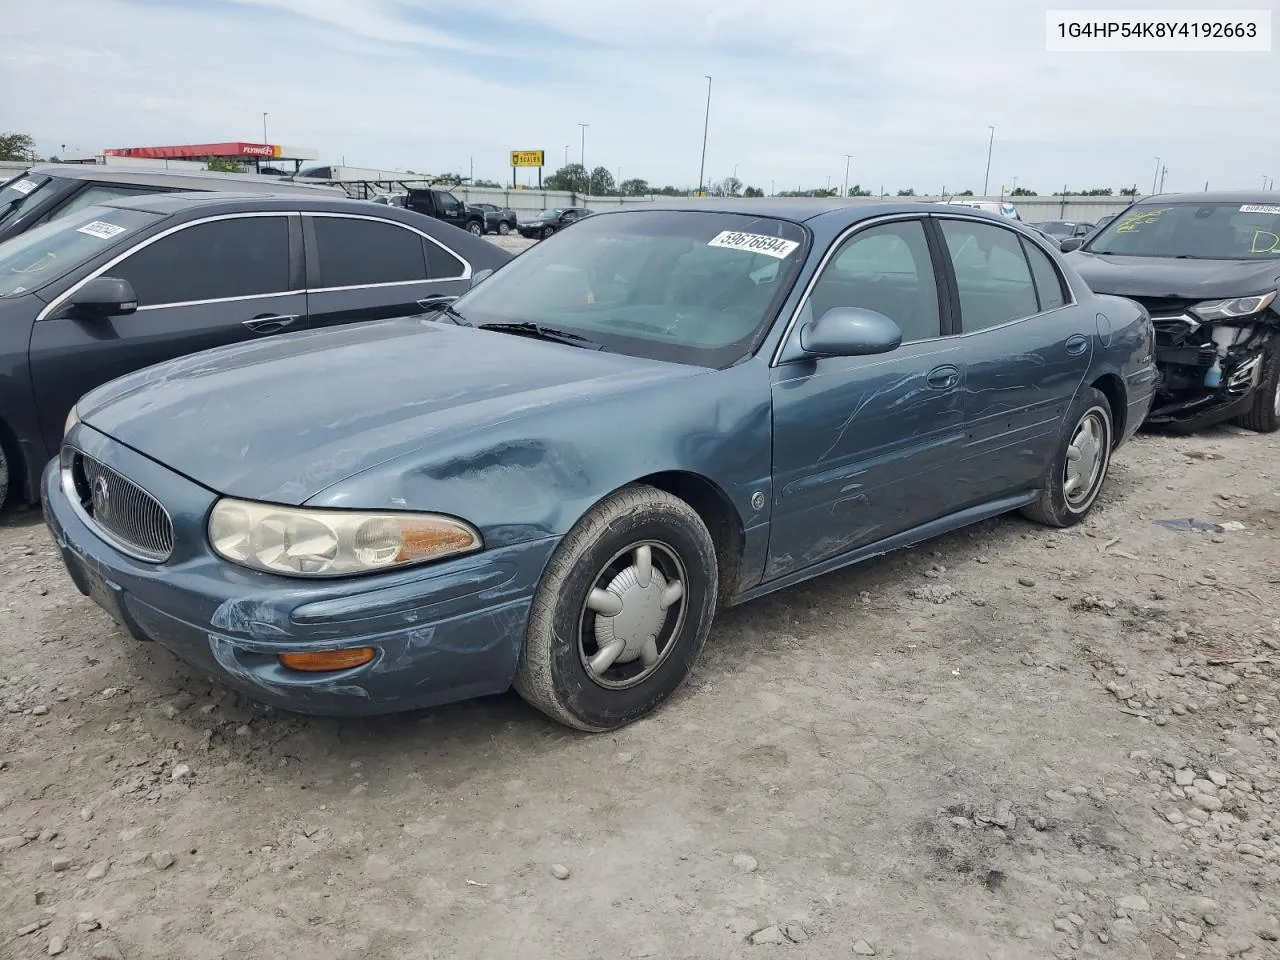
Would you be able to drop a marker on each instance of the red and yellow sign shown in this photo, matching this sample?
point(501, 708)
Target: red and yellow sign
point(196, 151)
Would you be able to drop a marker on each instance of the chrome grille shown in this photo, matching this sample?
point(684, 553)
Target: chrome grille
point(122, 511)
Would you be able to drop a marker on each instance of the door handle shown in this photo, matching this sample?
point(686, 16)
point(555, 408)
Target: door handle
point(1077, 345)
point(943, 378)
point(269, 323)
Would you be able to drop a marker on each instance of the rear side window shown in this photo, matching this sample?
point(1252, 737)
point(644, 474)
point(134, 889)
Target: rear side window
point(441, 264)
point(240, 257)
point(358, 253)
point(1048, 282)
point(992, 275)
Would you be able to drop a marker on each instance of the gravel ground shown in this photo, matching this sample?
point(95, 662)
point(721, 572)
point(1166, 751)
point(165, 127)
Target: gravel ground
point(511, 242)
point(1009, 743)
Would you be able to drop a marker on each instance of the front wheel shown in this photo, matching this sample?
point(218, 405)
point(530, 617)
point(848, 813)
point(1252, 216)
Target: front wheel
point(621, 613)
point(476, 228)
point(547, 231)
point(504, 229)
point(1264, 415)
point(1080, 465)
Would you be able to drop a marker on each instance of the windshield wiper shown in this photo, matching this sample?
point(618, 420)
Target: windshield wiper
point(545, 333)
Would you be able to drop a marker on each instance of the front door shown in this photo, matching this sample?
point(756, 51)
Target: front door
point(364, 268)
point(862, 446)
point(203, 285)
point(1026, 354)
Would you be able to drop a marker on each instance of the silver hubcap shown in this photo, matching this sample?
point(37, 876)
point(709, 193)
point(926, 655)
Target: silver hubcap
point(632, 616)
point(1275, 398)
point(1085, 458)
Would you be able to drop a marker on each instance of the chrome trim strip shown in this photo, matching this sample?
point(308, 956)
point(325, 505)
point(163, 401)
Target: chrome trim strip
point(199, 303)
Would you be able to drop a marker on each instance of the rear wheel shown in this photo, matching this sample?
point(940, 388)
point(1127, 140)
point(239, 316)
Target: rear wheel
point(1264, 415)
point(504, 228)
point(621, 613)
point(1079, 468)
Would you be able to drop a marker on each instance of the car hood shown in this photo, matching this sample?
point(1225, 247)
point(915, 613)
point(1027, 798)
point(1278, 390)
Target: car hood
point(281, 420)
point(1167, 277)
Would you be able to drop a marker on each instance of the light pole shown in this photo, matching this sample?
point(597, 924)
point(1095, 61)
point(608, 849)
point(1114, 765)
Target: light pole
point(583, 158)
point(706, 125)
point(566, 154)
point(1155, 176)
point(1163, 171)
point(264, 128)
point(986, 180)
point(848, 159)
point(1015, 184)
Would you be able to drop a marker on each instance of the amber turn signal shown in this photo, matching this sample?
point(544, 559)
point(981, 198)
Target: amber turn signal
point(325, 660)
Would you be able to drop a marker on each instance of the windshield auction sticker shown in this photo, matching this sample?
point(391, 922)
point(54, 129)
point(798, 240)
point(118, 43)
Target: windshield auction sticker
point(24, 186)
point(101, 230)
point(1259, 208)
point(754, 243)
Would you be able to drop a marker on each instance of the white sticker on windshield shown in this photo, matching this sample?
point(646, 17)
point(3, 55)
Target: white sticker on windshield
point(24, 186)
point(101, 230)
point(754, 243)
point(1259, 208)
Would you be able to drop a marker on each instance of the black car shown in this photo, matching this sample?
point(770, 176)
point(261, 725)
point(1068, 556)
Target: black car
point(47, 191)
point(119, 286)
point(1062, 229)
point(499, 220)
point(1206, 266)
point(551, 221)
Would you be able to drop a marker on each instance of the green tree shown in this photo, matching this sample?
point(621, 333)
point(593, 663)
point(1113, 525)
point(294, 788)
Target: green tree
point(670, 191)
point(571, 178)
point(1023, 192)
point(909, 192)
point(753, 192)
point(1099, 192)
point(965, 193)
point(492, 184)
point(17, 146)
point(224, 165)
point(1129, 192)
point(602, 184)
point(728, 187)
point(857, 191)
point(634, 187)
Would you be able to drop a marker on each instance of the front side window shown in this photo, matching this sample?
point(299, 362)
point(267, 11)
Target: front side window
point(992, 274)
point(1202, 231)
point(238, 257)
point(887, 269)
point(354, 253)
point(683, 286)
point(52, 250)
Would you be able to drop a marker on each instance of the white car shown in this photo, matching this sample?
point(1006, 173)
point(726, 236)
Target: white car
point(1003, 208)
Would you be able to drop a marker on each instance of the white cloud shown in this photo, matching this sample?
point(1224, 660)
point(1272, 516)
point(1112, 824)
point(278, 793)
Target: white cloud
point(907, 89)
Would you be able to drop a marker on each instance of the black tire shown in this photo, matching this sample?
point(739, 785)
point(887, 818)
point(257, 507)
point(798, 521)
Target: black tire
point(504, 229)
point(563, 633)
point(476, 228)
point(547, 231)
point(4, 474)
point(1057, 507)
point(1264, 415)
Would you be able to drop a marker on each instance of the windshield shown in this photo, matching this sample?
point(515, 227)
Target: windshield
point(683, 286)
point(1208, 231)
point(51, 250)
point(548, 214)
point(22, 194)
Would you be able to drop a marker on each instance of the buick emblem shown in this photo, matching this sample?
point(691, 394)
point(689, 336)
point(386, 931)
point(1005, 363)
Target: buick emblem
point(101, 495)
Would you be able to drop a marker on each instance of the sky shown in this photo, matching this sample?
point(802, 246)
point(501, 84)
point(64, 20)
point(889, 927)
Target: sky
point(909, 91)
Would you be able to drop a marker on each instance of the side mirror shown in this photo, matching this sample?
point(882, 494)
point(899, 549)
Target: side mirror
point(104, 297)
point(1071, 243)
point(850, 332)
point(481, 276)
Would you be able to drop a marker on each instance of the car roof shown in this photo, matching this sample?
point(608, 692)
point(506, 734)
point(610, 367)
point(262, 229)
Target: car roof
point(802, 209)
point(1268, 197)
point(225, 201)
point(194, 179)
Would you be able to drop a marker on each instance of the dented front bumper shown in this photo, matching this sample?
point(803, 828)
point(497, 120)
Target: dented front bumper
point(442, 633)
point(1208, 371)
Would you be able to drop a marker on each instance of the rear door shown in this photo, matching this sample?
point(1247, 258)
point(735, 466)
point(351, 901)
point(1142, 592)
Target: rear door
point(1026, 350)
point(366, 268)
point(199, 285)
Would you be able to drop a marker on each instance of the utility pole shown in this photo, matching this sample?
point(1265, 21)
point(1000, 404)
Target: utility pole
point(1155, 176)
point(583, 159)
point(1163, 171)
point(264, 128)
point(986, 181)
point(566, 154)
point(848, 159)
point(706, 125)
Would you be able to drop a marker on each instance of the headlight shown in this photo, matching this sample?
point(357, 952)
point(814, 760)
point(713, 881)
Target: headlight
point(72, 419)
point(332, 543)
point(1228, 309)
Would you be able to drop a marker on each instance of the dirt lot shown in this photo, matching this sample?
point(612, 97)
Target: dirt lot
point(1011, 743)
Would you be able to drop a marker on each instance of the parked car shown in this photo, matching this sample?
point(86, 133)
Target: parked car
point(500, 220)
point(1002, 209)
point(1061, 229)
point(117, 286)
point(556, 483)
point(390, 199)
point(551, 221)
point(443, 205)
point(1206, 266)
point(47, 191)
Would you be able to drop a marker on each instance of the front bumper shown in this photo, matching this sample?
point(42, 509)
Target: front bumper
point(444, 632)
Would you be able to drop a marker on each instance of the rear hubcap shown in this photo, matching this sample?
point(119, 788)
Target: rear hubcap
point(632, 616)
point(1085, 457)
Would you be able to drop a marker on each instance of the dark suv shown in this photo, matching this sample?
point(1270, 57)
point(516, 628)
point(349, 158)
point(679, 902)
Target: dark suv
point(48, 191)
